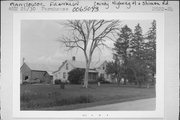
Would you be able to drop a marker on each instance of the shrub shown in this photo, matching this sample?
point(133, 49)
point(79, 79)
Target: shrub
point(100, 79)
point(103, 80)
point(76, 76)
point(106, 82)
point(57, 81)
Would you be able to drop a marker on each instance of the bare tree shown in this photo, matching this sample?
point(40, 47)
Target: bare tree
point(88, 35)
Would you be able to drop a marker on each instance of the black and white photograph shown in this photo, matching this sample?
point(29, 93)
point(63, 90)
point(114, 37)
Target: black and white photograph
point(73, 65)
point(88, 65)
point(77, 59)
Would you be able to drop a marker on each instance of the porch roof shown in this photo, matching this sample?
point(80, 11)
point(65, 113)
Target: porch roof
point(93, 71)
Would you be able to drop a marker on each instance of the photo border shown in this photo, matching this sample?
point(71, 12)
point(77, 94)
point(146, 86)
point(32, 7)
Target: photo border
point(158, 113)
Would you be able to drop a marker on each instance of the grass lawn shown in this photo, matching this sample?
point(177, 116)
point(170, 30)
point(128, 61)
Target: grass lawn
point(51, 97)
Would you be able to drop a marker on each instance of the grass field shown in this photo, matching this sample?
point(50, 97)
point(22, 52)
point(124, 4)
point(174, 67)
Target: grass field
point(48, 97)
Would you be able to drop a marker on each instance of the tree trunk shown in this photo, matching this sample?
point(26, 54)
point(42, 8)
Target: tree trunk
point(86, 76)
point(125, 77)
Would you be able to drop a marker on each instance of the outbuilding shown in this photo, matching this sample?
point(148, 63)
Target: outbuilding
point(34, 73)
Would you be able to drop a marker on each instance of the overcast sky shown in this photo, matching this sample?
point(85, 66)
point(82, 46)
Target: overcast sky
point(39, 42)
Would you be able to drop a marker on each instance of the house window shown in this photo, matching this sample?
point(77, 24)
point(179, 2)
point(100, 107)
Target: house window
point(66, 66)
point(64, 75)
point(102, 75)
point(103, 67)
point(26, 78)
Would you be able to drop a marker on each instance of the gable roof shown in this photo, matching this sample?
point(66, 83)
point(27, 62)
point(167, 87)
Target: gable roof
point(77, 64)
point(38, 67)
point(41, 67)
point(80, 64)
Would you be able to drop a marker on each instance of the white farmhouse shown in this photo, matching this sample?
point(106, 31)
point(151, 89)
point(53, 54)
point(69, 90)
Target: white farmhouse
point(96, 69)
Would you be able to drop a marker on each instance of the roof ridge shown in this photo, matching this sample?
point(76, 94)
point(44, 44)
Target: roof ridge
point(40, 66)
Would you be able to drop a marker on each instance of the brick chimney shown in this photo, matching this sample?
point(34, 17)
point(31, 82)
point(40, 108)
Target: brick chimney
point(23, 60)
point(73, 58)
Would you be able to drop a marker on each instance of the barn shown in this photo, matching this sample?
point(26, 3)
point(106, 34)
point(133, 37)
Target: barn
point(35, 73)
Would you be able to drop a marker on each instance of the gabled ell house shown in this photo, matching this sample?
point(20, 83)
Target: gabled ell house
point(96, 69)
point(35, 73)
